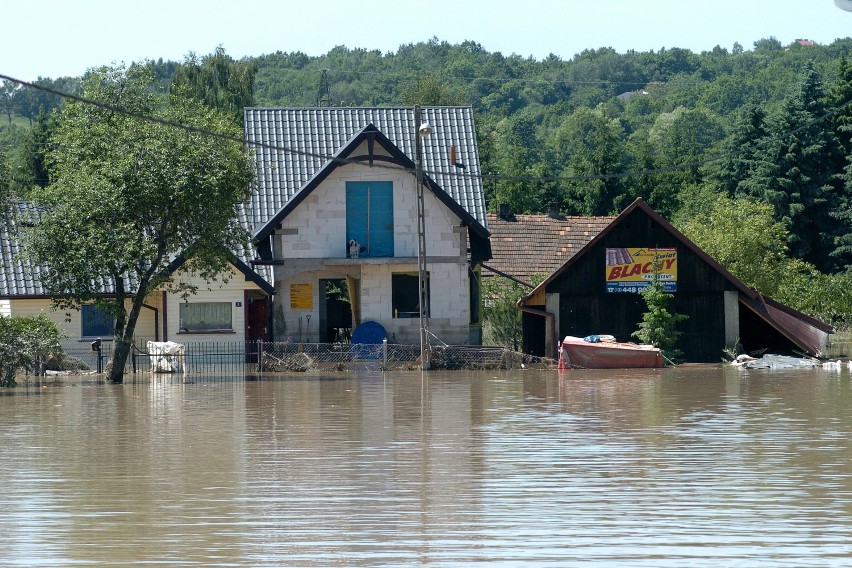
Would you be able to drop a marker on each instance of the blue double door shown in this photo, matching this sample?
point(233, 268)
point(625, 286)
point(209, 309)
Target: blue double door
point(369, 216)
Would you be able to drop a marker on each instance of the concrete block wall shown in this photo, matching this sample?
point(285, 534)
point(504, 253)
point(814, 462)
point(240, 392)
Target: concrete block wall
point(317, 228)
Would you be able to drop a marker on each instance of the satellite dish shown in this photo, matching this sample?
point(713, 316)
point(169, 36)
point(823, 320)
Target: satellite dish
point(844, 4)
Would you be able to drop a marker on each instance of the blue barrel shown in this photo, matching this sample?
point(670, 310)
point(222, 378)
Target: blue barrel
point(365, 340)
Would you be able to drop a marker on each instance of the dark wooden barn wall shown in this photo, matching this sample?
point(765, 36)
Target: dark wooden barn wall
point(534, 332)
point(585, 306)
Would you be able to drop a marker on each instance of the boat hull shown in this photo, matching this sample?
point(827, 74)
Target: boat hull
point(579, 354)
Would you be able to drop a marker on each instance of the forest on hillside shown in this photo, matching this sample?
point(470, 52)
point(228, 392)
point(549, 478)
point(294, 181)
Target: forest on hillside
point(747, 150)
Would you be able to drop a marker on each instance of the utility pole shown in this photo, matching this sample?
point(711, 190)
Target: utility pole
point(423, 130)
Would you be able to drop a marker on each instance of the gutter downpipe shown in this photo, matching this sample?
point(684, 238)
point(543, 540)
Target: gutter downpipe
point(550, 340)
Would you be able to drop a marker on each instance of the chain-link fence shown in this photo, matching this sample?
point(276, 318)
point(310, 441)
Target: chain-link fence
point(260, 356)
point(390, 356)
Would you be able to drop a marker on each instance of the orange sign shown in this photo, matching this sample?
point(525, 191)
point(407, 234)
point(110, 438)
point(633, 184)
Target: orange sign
point(301, 296)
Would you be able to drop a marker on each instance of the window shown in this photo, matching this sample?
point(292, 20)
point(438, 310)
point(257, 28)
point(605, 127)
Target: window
point(97, 322)
point(369, 217)
point(206, 317)
point(405, 295)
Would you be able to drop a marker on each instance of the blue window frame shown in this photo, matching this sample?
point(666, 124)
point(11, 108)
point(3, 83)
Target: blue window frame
point(369, 216)
point(96, 322)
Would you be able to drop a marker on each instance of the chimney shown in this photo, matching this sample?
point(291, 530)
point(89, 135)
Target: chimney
point(553, 210)
point(504, 212)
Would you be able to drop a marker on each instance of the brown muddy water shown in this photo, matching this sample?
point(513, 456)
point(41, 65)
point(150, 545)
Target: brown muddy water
point(693, 466)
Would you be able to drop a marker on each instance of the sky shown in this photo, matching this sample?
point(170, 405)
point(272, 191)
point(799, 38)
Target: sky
point(57, 38)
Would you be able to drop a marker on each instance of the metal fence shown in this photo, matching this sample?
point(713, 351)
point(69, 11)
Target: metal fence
point(253, 357)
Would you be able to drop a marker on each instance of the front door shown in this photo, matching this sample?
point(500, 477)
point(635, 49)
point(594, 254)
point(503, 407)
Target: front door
point(257, 325)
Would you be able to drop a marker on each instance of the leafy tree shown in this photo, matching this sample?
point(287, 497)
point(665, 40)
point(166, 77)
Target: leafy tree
point(5, 180)
point(827, 297)
point(26, 342)
point(431, 90)
point(679, 140)
point(7, 98)
point(129, 196)
point(501, 319)
point(589, 143)
point(744, 237)
point(659, 326)
point(217, 81)
point(29, 102)
point(33, 170)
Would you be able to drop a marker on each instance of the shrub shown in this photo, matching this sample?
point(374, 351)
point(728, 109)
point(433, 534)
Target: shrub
point(26, 343)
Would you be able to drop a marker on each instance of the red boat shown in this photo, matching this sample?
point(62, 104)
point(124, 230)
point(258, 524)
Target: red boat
point(578, 353)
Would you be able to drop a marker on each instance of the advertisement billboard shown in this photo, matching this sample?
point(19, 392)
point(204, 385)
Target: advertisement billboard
point(632, 269)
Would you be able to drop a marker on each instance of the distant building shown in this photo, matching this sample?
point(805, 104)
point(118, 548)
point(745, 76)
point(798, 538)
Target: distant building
point(630, 94)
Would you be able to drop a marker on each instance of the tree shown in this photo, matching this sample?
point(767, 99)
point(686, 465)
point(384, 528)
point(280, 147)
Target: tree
point(840, 97)
point(5, 180)
point(33, 170)
point(26, 342)
point(796, 172)
point(430, 90)
point(130, 196)
point(7, 98)
point(29, 101)
point(748, 131)
point(217, 81)
point(744, 237)
point(501, 318)
point(658, 325)
point(677, 142)
point(588, 143)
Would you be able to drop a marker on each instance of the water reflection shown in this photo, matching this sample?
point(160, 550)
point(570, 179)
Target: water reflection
point(696, 465)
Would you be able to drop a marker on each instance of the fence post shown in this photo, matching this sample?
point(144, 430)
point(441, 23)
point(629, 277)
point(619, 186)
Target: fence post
point(260, 355)
point(385, 353)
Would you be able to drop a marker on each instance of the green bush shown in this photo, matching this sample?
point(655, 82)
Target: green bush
point(658, 323)
point(26, 343)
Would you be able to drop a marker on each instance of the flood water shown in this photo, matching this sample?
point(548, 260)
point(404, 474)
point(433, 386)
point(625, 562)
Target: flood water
point(694, 466)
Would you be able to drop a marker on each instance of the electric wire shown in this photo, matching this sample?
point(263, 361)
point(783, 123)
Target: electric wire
point(460, 174)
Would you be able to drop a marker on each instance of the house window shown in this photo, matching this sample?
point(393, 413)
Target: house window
point(369, 217)
point(97, 322)
point(405, 295)
point(206, 317)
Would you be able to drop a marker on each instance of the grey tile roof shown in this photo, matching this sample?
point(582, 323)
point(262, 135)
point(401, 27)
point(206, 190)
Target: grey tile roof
point(17, 278)
point(22, 280)
point(293, 144)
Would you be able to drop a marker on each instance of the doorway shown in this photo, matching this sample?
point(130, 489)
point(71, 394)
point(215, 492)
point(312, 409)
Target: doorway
point(257, 324)
point(335, 309)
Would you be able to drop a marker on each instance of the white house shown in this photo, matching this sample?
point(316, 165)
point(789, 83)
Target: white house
point(326, 177)
point(335, 215)
point(232, 308)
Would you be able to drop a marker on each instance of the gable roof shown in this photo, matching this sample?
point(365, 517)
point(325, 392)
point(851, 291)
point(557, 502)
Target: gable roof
point(295, 146)
point(527, 245)
point(21, 280)
point(372, 136)
point(801, 329)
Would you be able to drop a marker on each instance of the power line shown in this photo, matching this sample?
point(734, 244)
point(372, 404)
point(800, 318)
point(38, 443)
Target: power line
point(490, 177)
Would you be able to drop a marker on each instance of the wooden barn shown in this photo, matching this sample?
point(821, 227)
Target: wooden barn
point(595, 292)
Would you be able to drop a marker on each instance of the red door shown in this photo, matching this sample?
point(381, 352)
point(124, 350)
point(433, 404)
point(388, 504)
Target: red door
point(257, 325)
point(258, 319)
